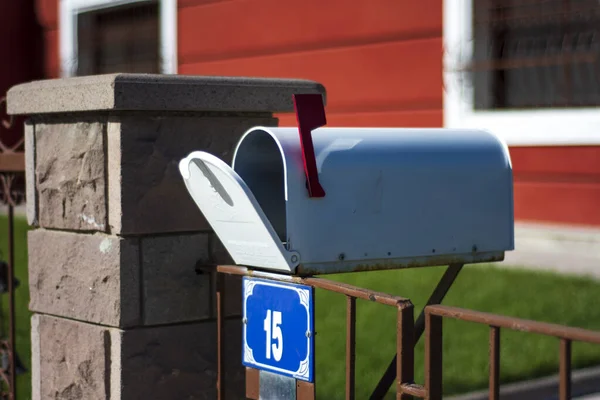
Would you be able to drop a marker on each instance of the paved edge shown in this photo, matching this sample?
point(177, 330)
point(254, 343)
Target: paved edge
point(583, 382)
point(564, 249)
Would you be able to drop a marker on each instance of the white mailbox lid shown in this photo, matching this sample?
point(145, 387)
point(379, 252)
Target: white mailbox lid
point(395, 197)
point(233, 212)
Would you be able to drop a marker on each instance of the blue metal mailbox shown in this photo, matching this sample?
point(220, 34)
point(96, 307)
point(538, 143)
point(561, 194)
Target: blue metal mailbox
point(393, 198)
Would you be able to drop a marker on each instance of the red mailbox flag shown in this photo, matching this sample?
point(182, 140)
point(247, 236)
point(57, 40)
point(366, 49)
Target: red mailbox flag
point(310, 114)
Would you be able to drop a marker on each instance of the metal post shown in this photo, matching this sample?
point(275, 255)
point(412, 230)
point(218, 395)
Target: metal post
point(252, 383)
point(433, 357)
point(305, 390)
point(11, 301)
point(494, 363)
point(436, 298)
point(405, 350)
point(350, 346)
point(565, 369)
point(220, 337)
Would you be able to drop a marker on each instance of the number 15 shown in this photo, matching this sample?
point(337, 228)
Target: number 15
point(274, 332)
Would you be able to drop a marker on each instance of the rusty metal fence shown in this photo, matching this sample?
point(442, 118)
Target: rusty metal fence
point(306, 390)
point(408, 332)
point(12, 194)
point(433, 345)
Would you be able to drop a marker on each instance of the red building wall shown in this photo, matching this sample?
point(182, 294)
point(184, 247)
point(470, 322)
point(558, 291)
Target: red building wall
point(559, 184)
point(47, 14)
point(380, 60)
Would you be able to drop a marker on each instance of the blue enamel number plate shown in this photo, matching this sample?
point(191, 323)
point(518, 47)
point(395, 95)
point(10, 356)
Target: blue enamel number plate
point(278, 328)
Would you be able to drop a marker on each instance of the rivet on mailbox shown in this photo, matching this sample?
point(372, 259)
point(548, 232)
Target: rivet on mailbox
point(356, 199)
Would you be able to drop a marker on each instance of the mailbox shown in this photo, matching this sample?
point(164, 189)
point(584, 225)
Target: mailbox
point(391, 198)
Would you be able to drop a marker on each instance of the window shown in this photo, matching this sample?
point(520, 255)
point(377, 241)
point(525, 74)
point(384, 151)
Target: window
point(526, 70)
point(121, 39)
point(107, 36)
point(535, 53)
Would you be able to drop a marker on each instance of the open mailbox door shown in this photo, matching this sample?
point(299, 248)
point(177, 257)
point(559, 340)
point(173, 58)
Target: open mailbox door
point(357, 199)
point(234, 214)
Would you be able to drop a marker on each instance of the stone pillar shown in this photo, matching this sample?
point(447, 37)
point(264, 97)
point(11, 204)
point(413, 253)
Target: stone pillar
point(120, 311)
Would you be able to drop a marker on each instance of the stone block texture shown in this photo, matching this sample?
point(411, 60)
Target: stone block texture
point(105, 149)
point(32, 204)
point(120, 310)
point(233, 283)
point(146, 191)
point(147, 92)
point(179, 362)
point(70, 174)
point(72, 360)
point(91, 278)
point(120, 175)
point(117, 281)
point(160, 363)
point(172, 290)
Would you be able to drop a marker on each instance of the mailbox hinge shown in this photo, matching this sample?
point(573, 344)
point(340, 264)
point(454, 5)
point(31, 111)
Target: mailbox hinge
point(310, 114)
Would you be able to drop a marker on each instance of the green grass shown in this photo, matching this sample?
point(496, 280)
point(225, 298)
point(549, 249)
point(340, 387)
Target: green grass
point(524, 294)
point(23, 316)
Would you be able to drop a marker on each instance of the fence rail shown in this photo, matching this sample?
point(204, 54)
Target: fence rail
point(306, 391)
point(433, 335)
point(407, 334)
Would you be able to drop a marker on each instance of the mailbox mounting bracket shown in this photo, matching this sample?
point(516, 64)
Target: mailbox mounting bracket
point(310, 114)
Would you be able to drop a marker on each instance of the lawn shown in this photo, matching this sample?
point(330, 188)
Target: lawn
point(524, 294)
point(23, 316)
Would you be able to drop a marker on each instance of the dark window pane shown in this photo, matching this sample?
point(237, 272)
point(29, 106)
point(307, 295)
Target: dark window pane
point(122, 39)
point(536, 53)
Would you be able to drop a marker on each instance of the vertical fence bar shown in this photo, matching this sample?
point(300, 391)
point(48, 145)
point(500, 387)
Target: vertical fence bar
point(433, 356)
point(565, 369)
point(494, 363)
point(11, 301)
point(220, 336)
point(405, 359)
point(350, 346)
point(305, 390)
point(252, 383)
point(436, 297)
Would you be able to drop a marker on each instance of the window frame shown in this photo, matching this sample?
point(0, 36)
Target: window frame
point(70, 9)
point(542, 127)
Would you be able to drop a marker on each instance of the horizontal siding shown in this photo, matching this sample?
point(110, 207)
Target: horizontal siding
point(558, 202)
point(380, 60)
point(556, 160)
point(365, 78)
point(557, 184)
point(236, 29)
point(412, 119)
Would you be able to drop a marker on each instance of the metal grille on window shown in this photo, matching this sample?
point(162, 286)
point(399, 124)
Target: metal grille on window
point(536, 53)
point(119, 39)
